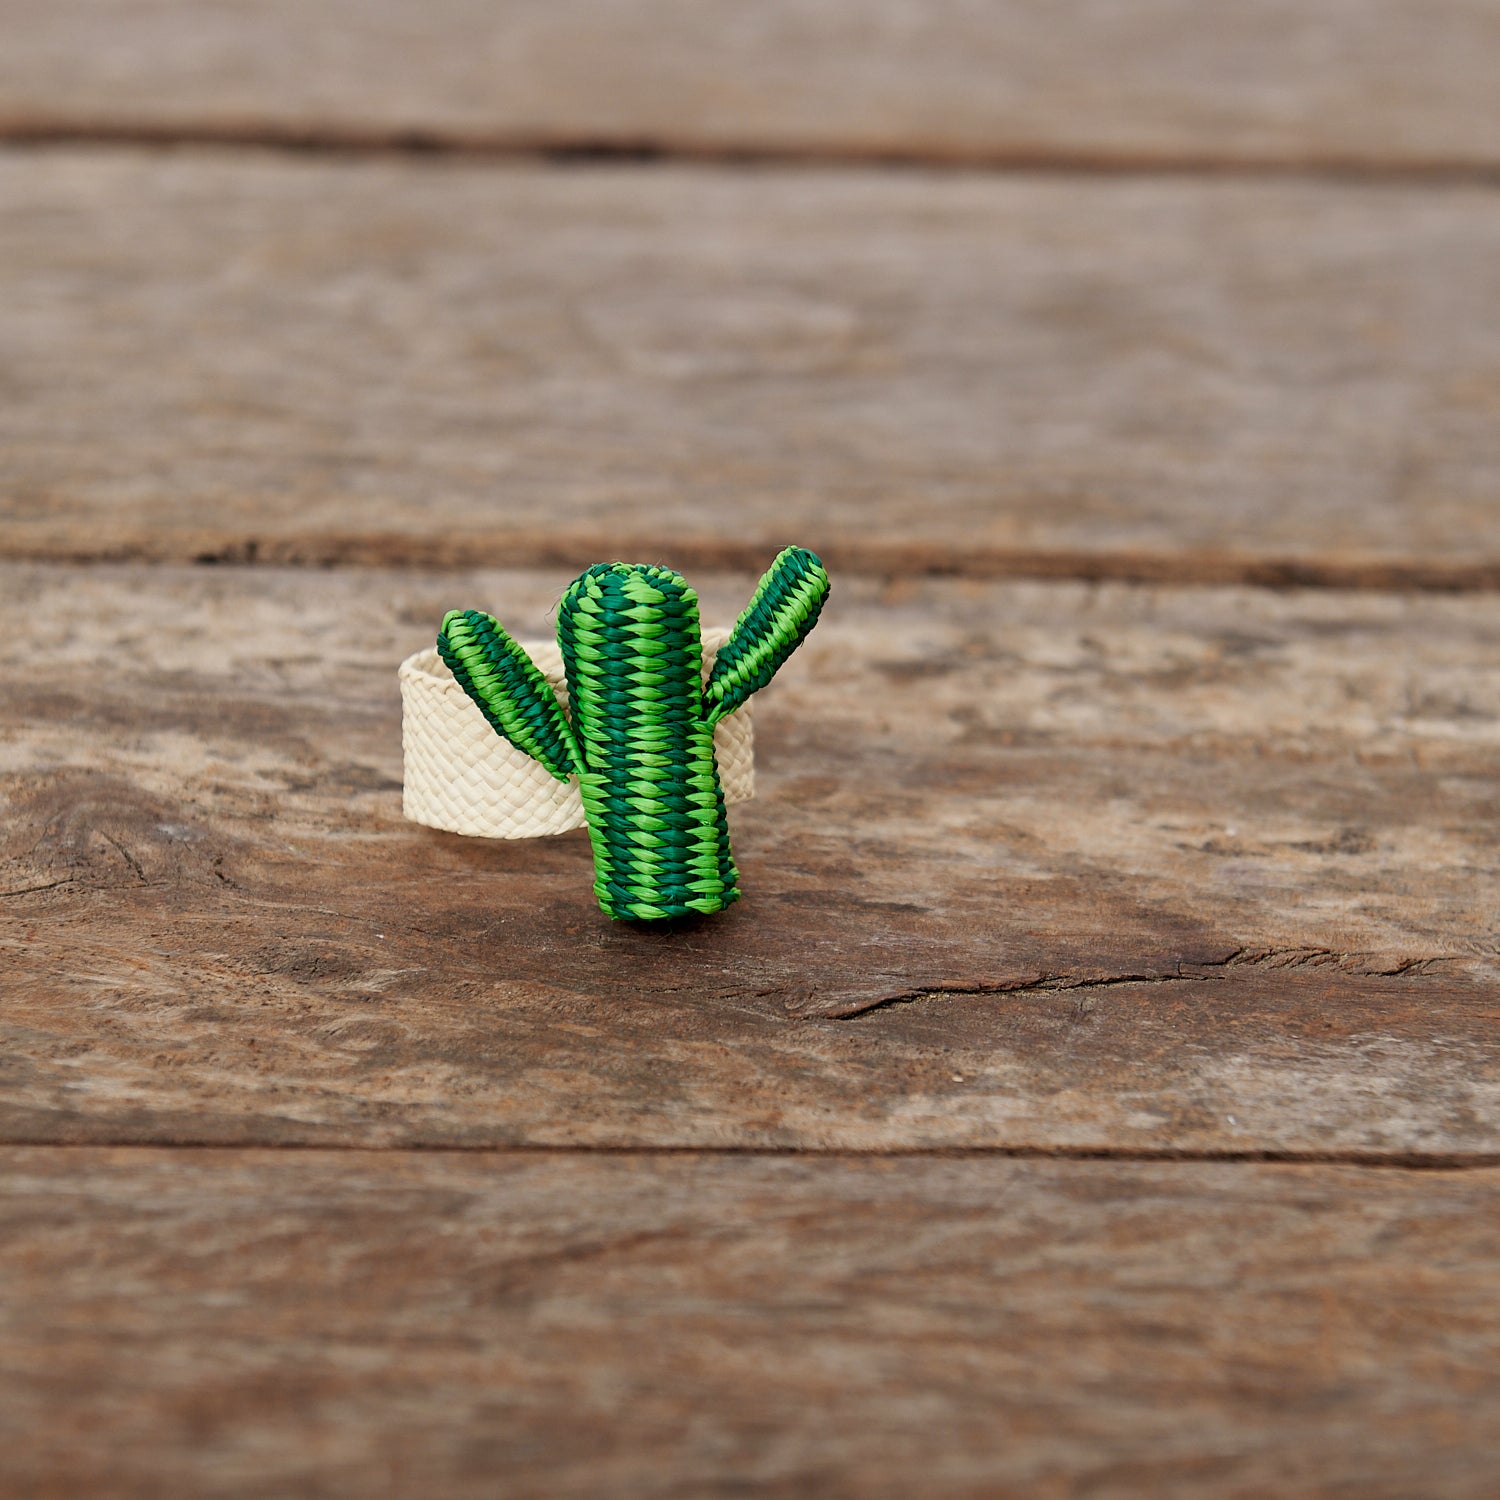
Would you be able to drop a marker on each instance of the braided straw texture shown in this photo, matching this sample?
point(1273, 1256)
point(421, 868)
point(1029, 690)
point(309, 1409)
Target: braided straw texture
point(460, 776)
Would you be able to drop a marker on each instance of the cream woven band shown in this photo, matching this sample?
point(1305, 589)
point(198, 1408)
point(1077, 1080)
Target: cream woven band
point(462, 777)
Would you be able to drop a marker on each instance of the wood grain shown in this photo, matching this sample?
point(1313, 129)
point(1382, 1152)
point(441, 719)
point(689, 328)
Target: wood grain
point(1092, 869)
point(1342, 82)
point(270, 1323)
point(445, 364)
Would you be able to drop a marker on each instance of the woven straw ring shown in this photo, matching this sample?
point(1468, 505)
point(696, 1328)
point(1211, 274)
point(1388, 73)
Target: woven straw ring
point(649, 749)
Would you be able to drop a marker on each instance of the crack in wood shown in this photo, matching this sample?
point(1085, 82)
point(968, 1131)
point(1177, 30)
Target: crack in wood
point(127, 856)
point(27, 890)
point(1351, 963)
point(1363, 965)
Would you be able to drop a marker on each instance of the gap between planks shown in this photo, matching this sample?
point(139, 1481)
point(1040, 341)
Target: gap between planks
point(1382, 1161)
point(566, 149)
point(874, 559)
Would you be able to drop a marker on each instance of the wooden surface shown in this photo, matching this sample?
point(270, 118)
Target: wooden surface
point(1097, 1091)
point(1209, 870)
point(1362, 84)
point(334, 1323)
point(312, 361)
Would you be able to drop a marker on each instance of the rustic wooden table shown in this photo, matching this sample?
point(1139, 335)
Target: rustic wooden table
point(1098, 1090)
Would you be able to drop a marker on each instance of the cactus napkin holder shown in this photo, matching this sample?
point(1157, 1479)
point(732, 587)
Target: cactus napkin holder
point(636, 723)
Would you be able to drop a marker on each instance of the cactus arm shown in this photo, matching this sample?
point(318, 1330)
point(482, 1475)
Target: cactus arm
point(784, 607)
point(509, 690)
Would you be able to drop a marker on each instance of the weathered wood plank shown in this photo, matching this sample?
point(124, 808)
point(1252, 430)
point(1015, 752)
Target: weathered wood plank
point(1210, 870)
point(387, 362)
point(272, 1323)
point(1409, 82)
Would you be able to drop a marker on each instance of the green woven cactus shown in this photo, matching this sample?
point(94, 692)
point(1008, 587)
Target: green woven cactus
point(641, 735)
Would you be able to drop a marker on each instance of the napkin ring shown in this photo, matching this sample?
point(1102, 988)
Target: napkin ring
point(635, 723)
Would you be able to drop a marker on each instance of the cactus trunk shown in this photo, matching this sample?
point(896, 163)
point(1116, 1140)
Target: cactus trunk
point(633, 654)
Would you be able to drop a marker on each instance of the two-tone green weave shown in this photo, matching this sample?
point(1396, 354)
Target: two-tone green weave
point(641, 736)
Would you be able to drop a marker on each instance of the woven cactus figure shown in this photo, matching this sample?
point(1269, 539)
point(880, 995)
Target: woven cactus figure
point(640, 738)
